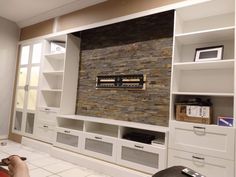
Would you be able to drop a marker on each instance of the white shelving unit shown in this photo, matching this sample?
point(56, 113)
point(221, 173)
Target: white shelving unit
point(103, 139)
point(58, 85)
point(208, 149)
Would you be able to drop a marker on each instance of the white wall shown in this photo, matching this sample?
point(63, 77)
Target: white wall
point(9, 36)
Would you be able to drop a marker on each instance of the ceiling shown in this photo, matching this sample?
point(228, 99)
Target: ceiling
point(28, 12)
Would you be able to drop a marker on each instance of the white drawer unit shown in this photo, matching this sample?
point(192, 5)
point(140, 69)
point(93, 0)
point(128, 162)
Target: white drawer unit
point(47, 114)
point(206, 165)
point(140, 156)
point(68, 139)
point(45, 131)
point(99, 146)
point(210, 140)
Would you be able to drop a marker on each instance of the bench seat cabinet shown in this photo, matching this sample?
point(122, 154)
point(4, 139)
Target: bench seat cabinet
point(140, 156)
point(68, 139)
point(99, 146)
point(206, 165)
point(210, 140)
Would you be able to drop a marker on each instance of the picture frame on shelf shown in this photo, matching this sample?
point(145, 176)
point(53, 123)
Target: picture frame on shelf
point(209, 53)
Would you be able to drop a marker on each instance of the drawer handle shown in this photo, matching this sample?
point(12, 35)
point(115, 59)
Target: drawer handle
point(45, 126)
point(46, 109)
point(137, 146)
point(98, 138)
point(66, 131)
point(198, 158)
point(199, 130)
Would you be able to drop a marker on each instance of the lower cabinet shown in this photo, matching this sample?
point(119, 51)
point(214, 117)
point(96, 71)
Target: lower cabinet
point(68, 139)
point(99, 146)
point(45, 131)
point(139, 156)
point(206, 165)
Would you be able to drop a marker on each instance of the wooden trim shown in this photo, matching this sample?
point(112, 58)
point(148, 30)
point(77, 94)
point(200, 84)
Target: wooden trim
point(12, 136)
point(108, 10)
point(36, 30)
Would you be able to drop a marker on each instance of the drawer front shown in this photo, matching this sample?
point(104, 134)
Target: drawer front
point(45, 131)
point(144, 157)
point(204, 139)
point(99, 146)
point(206, 165)
point(68, 139)
point(47, 115)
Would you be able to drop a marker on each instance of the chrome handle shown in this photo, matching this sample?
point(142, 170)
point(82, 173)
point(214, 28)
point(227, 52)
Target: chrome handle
point(26, 87)
point(98, 138)
point(198, 158)
point(137, 146)
point(199, 130)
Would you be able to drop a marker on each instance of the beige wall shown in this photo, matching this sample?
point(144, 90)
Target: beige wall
point(104, 11)
point(9, 36)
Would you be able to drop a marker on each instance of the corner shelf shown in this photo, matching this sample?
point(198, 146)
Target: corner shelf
point(55, 56)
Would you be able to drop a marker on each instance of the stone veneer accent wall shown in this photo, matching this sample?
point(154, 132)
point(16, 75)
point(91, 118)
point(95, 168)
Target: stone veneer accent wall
point(138, 46)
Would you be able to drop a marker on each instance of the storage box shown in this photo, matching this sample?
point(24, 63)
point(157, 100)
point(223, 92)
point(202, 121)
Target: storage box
point(194, 113)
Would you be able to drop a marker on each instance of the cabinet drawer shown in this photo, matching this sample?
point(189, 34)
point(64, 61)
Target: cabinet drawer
point(144, 157)
point(68, 139)
point(99, 146)
point(203, 139)
point(45, 131)
point(47, 115)
point(206, 165)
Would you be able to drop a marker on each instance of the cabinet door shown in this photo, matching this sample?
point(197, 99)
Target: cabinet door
point(145, 157)
point(206, 165)
point(203, 139)
point(45, 131)
point(68, 139)
point(27, 88)
point(99, 146)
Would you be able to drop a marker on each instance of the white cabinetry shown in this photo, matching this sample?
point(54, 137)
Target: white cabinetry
point(104, 139)
point(58, 84)
point(27, 88)
point(208, 149)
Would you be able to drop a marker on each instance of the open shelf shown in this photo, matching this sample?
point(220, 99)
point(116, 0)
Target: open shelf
point(222, 64)
point(50, 99)
point(53, 72)
point(101, 129)
point(221, 105)
point(53, 65)
point(206, 36)
point(213, 15)
point(204, 81)
point(50, 81)
point(205, 94)
point(56, 56)
point(70, 124)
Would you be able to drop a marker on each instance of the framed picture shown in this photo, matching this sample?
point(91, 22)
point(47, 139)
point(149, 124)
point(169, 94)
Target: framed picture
point(209, 53)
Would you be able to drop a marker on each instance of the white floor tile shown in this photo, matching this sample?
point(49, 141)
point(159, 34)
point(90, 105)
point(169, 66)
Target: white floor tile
point(39, 173)
point(59, 167)
point(75, 172)
point(42, 162)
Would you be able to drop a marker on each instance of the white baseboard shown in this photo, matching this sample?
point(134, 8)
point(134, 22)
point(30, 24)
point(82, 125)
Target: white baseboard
point(3, 137)
point(38, 145)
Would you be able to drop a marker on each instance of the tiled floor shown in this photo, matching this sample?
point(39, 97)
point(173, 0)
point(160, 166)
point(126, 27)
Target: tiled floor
point(42, 164)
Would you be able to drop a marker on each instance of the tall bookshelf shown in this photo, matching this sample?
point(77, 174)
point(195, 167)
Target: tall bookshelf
point(198, 26)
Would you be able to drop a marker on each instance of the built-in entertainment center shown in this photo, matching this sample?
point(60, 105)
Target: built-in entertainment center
point(137, 96)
